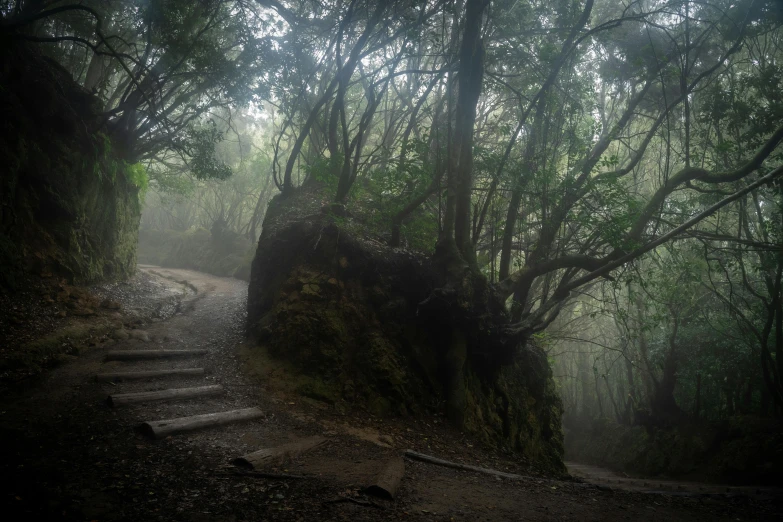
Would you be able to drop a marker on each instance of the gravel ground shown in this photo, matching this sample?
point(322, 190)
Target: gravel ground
point(68, 456)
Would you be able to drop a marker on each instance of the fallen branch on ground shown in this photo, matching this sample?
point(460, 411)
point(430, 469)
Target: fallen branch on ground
point(465, 467)
point(365, 503)
point(263, 475)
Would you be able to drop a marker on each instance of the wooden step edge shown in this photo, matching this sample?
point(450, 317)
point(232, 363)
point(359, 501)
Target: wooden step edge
point(129, 355)
point(164, 428)
point(131, 376)
point(171, 394)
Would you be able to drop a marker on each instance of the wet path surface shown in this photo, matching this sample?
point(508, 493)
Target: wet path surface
point(609, 478)
point(66, 455)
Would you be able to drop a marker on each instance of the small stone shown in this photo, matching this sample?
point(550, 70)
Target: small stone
point(139, 335)
point(311, 289)
point(386, 439)
point(110, 304)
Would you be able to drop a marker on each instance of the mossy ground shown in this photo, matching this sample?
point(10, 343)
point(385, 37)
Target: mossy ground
point(51, 323)
point(60, 346)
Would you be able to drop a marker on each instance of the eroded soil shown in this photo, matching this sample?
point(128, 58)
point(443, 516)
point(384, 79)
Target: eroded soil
point(68, 456)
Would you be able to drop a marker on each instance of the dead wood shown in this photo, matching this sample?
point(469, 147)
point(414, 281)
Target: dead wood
point(388, 480)
point(131, 376)
point(130, 355)
point(172, 394)
point(278, 454)
point(164, 428)
point(465, 467)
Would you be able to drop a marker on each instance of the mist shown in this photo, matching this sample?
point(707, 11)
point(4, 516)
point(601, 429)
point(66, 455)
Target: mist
point(352, 259)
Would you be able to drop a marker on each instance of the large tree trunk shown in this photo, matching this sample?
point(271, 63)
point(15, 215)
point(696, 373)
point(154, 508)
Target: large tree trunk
point(455, 248)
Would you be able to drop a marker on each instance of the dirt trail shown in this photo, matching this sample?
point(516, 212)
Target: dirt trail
point(603, 476)
point(68, 456)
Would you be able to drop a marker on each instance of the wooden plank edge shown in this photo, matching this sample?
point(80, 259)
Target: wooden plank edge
point(120, 399)
point(197, 422)
point(130, 376)
point(126, 355)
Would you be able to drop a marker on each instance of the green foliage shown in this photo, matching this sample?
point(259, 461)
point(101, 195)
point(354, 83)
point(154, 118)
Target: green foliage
point(171, 183)
point(385, 192)
point(200, 145)
point(326, 171)
point(138, 177)
point(610, 209)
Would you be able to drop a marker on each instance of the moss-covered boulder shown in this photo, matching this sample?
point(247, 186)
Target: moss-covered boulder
point(70, 206)
point(345, 311)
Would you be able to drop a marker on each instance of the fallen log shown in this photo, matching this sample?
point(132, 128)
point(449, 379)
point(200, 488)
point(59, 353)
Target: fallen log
point(465, 467)
point(131, 376)
point(130, 355)
point(278, 454)
point(164, 428)
point(172, 394)
point(388, 480)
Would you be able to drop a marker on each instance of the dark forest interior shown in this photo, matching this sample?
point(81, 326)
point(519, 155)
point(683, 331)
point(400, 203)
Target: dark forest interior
point(391, 259)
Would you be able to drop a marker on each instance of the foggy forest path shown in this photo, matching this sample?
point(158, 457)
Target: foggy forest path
point(68, 455)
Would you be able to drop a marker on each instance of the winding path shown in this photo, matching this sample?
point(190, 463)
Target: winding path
point(69, 456)
point(602, 476)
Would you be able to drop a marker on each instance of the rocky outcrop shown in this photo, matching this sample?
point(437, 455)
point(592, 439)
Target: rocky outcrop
point(70, 206)
point(346, 312)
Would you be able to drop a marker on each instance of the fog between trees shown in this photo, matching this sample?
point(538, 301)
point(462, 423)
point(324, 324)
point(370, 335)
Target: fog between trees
point(612, 169)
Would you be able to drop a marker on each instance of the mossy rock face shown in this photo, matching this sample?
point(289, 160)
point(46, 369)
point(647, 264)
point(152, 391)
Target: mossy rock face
point(343, 310)
point(70, 208)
